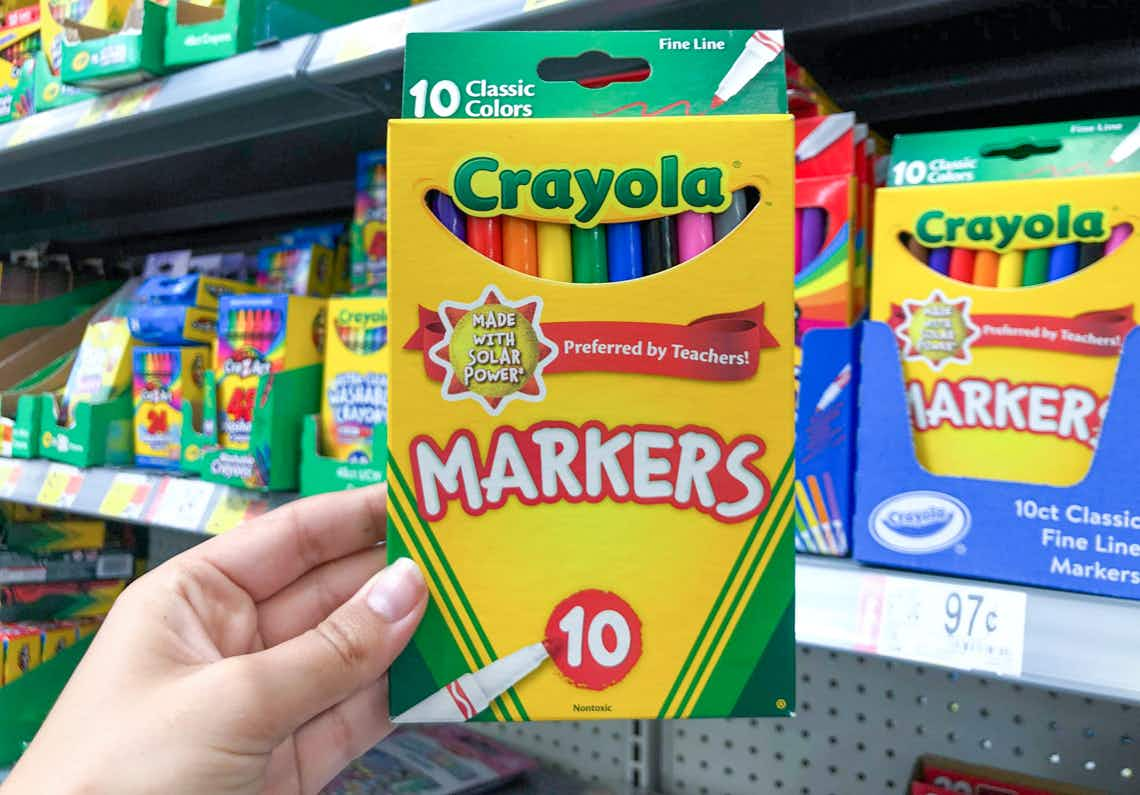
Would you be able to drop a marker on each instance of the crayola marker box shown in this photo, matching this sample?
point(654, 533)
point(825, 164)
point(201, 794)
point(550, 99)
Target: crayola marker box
point(563, 453)
point(260, 335)
point(165, 379)
point(357, 361)
point(19, 651)
point(997, 431)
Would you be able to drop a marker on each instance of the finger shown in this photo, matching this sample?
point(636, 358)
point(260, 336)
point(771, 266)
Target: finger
point(265, 555)
point(306, 602)
point(327, 743)
point(294, 681)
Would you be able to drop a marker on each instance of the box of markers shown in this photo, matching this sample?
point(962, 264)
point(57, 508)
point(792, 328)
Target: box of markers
point(997, 419)
point(20, 651)
point(165, 379)
point(58, 600)
point(832, 224)
point(266, 379)
point(352, 449)
point(110, 56)
point(591, 392)
point(57, 17)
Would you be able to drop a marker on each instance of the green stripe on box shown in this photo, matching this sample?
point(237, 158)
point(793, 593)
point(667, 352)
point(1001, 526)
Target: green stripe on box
point(489, 650)
point(752, 651)
point(778, 526)
point(665, 711)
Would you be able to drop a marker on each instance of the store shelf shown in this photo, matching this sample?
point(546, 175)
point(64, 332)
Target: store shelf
point(183, 504)
point(1072, 642)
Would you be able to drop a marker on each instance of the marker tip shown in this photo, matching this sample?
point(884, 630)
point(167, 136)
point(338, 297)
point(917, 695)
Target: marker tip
point(716, 102)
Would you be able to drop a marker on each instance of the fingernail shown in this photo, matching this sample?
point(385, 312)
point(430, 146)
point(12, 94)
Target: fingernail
point(396, 590)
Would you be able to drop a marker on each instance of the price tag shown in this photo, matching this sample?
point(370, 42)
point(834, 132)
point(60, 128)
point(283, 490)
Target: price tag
point(61, 486)
point(35, 127)
point(180, 504)
point(958, 625)
point(233, 508)
point(126, 496)
point(388, 31)
point(121, 104)
point(10, 472)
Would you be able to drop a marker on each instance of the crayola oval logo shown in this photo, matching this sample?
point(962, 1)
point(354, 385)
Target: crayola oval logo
point(919, 522)
point(485, 186)
point(81, 60)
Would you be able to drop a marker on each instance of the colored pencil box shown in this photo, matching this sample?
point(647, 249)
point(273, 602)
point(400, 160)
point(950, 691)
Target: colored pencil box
point(544, 433)
point(158, 324)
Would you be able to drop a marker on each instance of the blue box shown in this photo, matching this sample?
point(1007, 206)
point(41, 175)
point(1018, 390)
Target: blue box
point(825, 440)
point(1084, 537)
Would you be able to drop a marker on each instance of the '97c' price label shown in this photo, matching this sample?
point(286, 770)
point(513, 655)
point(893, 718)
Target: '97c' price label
point(958, 625)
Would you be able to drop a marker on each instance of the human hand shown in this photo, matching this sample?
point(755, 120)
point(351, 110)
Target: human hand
point(254, 662)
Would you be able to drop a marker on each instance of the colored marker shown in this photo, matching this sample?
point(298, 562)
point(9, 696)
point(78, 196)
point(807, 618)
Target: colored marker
point(919, 251)
point(485, 235)
point(472, 693)
point(1126, 148)
point(725, 222)
point(1116, 238)
point(836, 516)
point(1036, 267)
point(986, 268)
point(554, 259)
point(812, 233)
point(588, 247)
point(799, 224)
point(809, 514)
point(623, 252)
point(694, 234)
point(1063, 260)
point(1011, 269)
point(835, 388)
point(821, 512)
point(962, 264)
point(940, 260)
point(830, 130)
point(1090, 253)
point(659, 244)
point(520, 245)
point(803, 536)
point(448, 214)
point(759, 51)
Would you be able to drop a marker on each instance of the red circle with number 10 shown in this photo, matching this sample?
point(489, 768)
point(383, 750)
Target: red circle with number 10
point(594, 638)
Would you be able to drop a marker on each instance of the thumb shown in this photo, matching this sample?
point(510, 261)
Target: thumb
point(352, 648)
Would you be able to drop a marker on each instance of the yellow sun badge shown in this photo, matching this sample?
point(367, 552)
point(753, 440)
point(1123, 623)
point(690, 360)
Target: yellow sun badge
point(493, 350)
point(937, 330)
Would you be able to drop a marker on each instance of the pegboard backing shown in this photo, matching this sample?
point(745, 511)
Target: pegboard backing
point(598, 751)
point(862, 722)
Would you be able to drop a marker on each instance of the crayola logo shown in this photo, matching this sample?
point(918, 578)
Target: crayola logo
point(484, 186)
point(936, 228)
point(919, 522)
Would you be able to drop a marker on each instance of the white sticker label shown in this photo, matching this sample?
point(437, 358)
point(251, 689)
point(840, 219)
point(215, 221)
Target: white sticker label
point(181, 504)
point(957, 625)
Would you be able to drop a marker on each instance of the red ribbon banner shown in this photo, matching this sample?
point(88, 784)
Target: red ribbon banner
point(722, 347)
point(1097, 333)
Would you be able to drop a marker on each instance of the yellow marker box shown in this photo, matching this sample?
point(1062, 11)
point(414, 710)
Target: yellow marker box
point(1010, 380)
point(597, 479)
point(357, 361)
point(19, 651)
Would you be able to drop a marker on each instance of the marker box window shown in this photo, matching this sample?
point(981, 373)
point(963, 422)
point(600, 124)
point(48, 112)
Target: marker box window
point(557, 436)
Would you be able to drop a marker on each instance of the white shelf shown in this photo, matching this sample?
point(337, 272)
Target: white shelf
point(1074, 642)
point(131, 495)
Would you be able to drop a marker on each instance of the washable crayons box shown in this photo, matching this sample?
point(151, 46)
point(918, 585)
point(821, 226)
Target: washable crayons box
point(260, 335)
point(354, 398)
point(165, 380)
point(591, 391)
point(19, 42)
point(997, 422)
point(19, 651)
